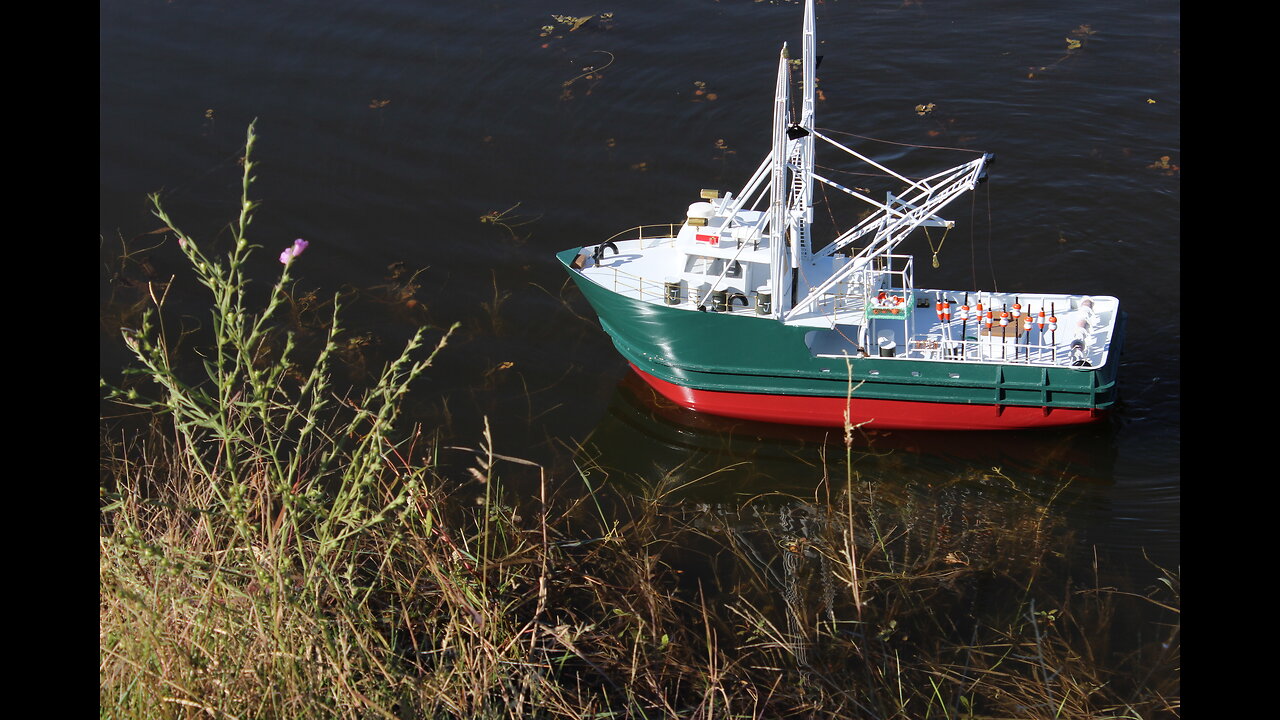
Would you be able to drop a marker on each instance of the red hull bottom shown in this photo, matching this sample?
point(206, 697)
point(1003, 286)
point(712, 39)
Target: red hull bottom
point(880, 414)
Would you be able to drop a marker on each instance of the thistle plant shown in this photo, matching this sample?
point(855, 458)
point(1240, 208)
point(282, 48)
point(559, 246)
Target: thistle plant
point(296, 468)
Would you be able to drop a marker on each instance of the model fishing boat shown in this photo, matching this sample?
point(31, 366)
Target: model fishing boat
point(734, 312)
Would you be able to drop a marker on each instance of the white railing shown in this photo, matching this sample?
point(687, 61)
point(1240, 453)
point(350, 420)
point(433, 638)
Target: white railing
point(994, 349)
point(668, 231)
point(840, 304)
point(891, 280)
point(649, 290)
point(624, 283)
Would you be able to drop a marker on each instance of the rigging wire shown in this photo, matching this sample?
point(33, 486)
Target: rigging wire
point(832, 314)
point(901, 144)
point(973, 244)
point(973, 263)
point(828, 168)
point(990, 262)
point(825, 201)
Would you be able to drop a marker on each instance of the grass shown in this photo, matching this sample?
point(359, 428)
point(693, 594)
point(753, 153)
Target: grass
point(276, 543)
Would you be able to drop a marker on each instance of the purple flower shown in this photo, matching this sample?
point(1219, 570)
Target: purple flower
point(293, 251)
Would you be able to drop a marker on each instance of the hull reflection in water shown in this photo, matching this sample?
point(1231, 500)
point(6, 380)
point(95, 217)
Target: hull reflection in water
point(946, 533)
point(646, 439)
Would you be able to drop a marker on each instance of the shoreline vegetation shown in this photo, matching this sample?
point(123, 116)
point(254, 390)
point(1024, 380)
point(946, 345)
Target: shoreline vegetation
point(276, 544)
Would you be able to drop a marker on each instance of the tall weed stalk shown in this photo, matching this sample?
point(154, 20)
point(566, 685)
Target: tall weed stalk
point(258, 517)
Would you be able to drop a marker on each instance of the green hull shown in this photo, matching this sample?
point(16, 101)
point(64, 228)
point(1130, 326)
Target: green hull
point(743, 353)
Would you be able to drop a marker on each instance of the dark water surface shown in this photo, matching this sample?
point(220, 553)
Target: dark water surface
point(388, 130)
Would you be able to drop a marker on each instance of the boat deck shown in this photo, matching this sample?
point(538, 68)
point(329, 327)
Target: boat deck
point(843, 326)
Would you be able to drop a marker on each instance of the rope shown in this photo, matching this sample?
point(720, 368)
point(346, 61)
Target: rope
point(938, 249)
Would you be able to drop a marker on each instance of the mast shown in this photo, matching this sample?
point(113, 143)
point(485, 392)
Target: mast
point(778, 191)
point(802, 201)
point(800, 156)
point(810, 68)
point(791, 210)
